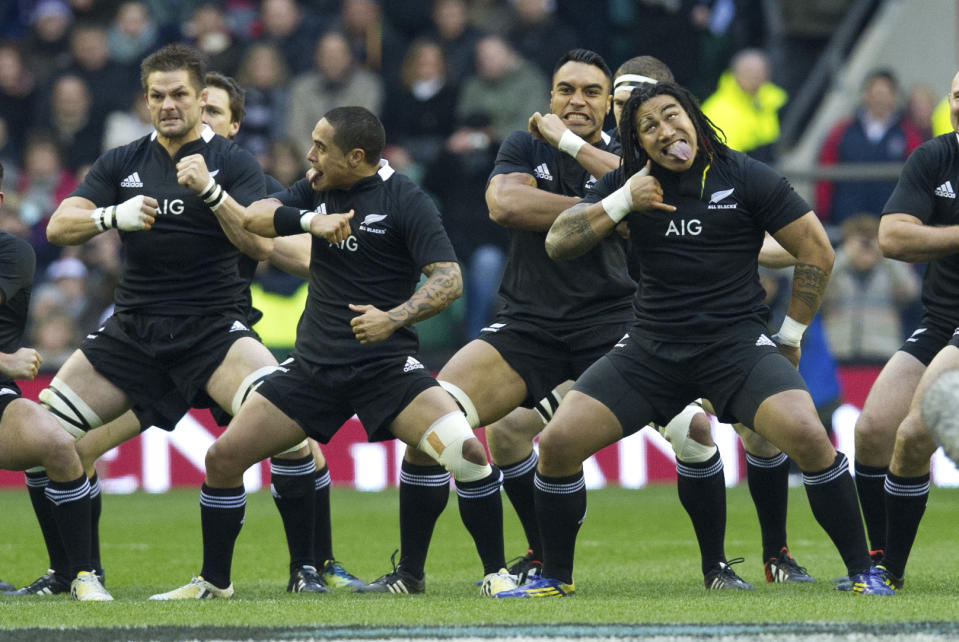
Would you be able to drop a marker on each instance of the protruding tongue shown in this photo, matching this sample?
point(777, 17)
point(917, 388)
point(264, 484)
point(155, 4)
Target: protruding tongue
point(680, 150)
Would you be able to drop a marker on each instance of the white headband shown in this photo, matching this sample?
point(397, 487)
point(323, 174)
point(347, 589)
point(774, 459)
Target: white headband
point(631, 80)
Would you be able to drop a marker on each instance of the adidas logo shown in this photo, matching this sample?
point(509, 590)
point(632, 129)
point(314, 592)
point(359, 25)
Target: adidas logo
point(238, 327)
point(915, 335)
point(542, 171)
point(763, 340)
point(945, 190)
point(7, 391)
point(622, 342)
point(412, 364)
point(493, 327)
point(133, 180)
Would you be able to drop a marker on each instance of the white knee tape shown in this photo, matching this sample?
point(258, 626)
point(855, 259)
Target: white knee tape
point(73, 413)
point(443, 441)
point(677, 432)
point(289, 451)
point(248, 385)
point(464, 401)
point(548, 405)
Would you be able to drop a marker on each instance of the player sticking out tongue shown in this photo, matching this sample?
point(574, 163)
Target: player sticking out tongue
point(680, 150)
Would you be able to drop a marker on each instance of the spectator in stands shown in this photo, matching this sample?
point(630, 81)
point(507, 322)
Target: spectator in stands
point(420, 116)
point(877, 133)
point(110, 83)
point(285, 163)
point(920, 107)
point(78, 131)
point(374, 42)
point(122, 127)
point(865, 295)
point(457, 37)
point(63, 291)
point(133, 33)
point(335, 81)
point(18, 96)
point(539, 36)
point(506, 88)
point(292, 31)
point(746, 105)
point(54, 336)
point(43, 182)
point(209, 32)
point(47, 42)
point(264, 75)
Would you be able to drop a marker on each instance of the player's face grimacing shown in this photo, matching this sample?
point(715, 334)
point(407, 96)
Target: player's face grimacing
point(666, 133)
point(217, 114)
point(580, 96)
point(620, 96)
point(174, 103)
point(331, 168)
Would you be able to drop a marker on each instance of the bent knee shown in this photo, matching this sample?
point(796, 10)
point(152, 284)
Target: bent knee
point(473, 452)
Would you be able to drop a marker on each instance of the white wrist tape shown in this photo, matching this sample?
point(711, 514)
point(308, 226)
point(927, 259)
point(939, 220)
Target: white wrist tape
point(570, 143)
point(103, 217)
point(213, 194)
point(619, 203)
point(790, 334)
point(306, 219)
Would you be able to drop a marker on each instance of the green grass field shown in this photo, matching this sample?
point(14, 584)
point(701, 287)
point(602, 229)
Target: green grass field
point(637, 563)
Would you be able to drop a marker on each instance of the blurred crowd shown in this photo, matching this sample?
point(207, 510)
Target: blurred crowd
point(450, 79)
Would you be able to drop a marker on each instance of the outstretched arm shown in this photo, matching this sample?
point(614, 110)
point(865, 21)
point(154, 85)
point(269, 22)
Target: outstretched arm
point(77, 219)
point(515, 201)
point(907, 238)
point(444, 284)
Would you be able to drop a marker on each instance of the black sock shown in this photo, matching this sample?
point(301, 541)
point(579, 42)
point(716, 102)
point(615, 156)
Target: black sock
point(59, 562)
point(560, 511)
point(96, 508)
point(424, 492)
point(481, 509)
point(221, 517)
point(322, 526)
point(905, 502)
point(702, 492)
point(518, 484)
point(70, 506)
point(832, 497)
point(768, 479)
point(870, 482)
point(293, 493)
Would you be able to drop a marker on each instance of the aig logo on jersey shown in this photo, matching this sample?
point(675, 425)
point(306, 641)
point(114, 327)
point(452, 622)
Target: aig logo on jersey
point(715, 200)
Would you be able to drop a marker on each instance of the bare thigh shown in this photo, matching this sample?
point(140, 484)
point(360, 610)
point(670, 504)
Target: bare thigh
point(789, 421)
point(30, 436)
point(886, 407)
point(564, 445)
point(258, 431)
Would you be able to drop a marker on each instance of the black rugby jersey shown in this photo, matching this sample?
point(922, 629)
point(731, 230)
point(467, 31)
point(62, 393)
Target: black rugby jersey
point(559, 293)
point(396, 231)
point(17, 265)
point(927, 189)
point(699, 265)
point(185, 265)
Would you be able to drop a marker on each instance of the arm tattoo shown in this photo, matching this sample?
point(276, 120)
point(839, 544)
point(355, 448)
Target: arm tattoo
point(809, 283)
point(571, 234)
point(444, 284)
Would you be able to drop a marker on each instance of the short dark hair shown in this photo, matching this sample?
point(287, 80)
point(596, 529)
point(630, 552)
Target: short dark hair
point(175, 57)
point(357, 127)
point(586, 57)
point(647, 66)
point(707, 133)
point(234, 92)
point(883, 73)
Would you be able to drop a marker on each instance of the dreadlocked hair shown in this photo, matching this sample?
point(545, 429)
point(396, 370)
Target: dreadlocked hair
point(710, 138)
